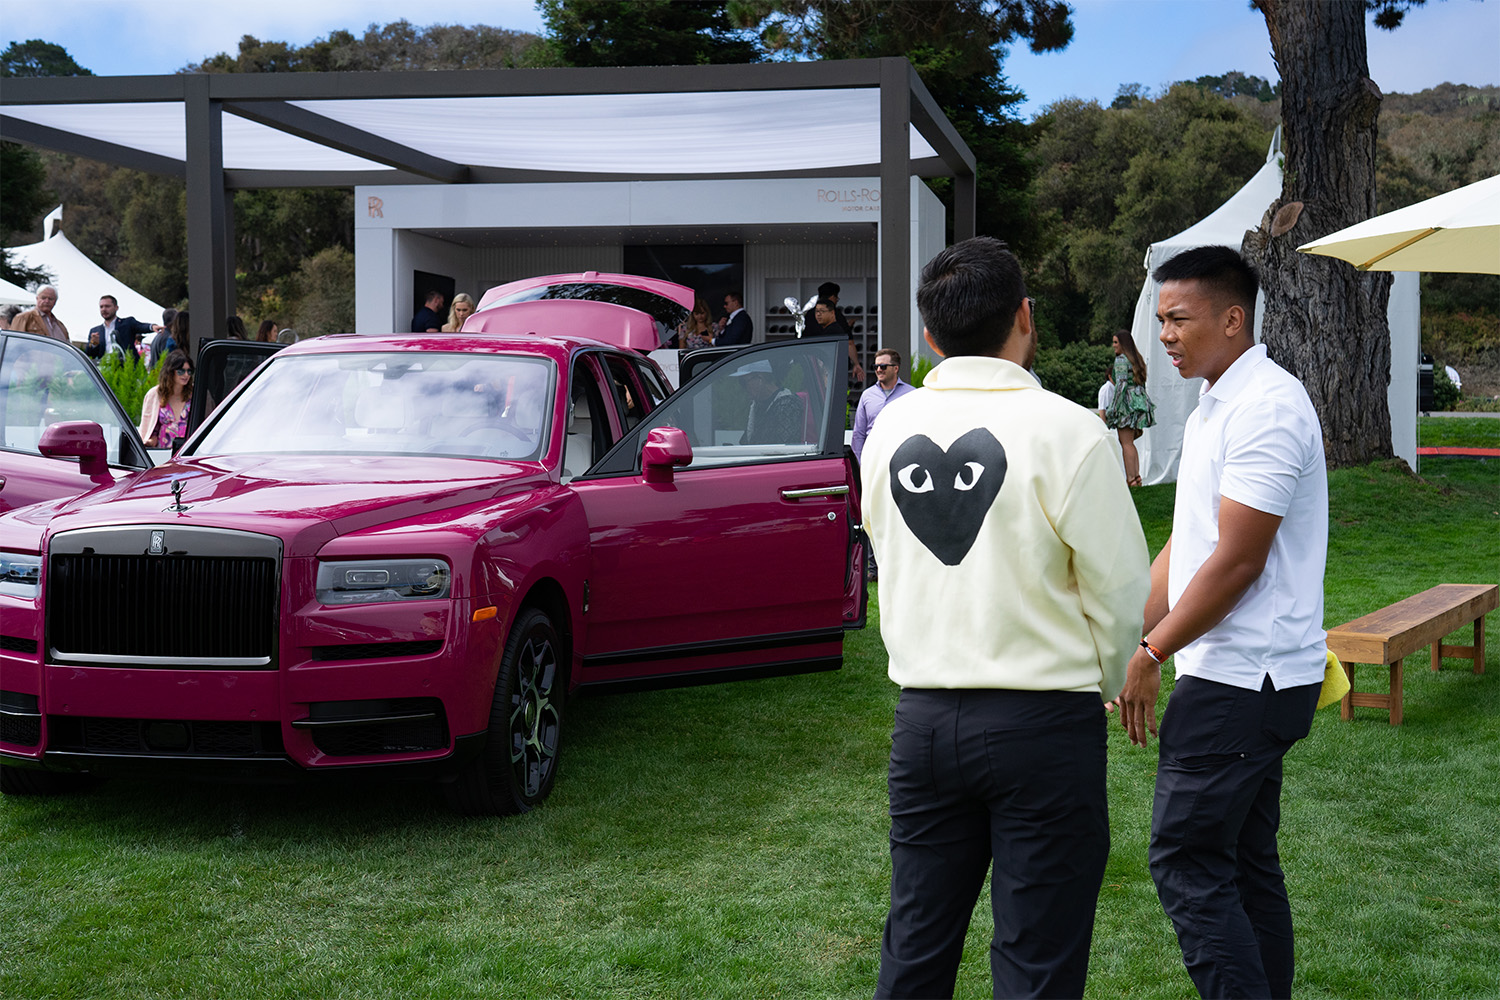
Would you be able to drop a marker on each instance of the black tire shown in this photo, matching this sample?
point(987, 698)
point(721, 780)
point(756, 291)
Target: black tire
point(518, 766)
point(26, 781)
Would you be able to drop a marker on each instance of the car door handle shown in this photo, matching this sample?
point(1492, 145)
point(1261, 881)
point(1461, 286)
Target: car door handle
point(816, 491)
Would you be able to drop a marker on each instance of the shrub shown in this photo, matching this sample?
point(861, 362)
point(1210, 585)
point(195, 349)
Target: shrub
point(1445, 394)
point(919, 369)
point(1076, 371)
point(128, 381)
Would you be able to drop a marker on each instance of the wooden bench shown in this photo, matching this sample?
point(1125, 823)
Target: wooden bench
point(1389, 635)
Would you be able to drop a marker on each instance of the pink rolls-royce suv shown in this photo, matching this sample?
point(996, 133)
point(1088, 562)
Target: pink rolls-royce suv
point(405, 553)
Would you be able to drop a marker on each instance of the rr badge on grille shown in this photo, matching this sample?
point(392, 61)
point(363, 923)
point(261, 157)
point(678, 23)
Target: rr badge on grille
point(158, 543)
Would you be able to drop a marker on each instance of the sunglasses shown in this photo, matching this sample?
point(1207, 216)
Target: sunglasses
point(881, 368)
point(182, 371)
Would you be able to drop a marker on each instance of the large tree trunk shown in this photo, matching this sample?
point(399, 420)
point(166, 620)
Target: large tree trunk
point(1325, 322)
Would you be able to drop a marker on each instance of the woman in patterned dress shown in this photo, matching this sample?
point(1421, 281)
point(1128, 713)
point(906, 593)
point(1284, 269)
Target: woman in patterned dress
point(1131, 411)
point(164, 411)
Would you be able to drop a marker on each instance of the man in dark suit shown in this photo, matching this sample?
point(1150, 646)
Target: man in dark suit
point(123, 332)
point(738, 329)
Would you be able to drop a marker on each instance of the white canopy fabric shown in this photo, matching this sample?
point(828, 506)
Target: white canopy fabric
point(1456, 231)
point(160, 128)
point(14, 295)
point(80, 282)
point(665, 133)
point(1176, 397)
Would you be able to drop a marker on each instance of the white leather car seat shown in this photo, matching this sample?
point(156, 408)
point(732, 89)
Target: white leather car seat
point(578, 443)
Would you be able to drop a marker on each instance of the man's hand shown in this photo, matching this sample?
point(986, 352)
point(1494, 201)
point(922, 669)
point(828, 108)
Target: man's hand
point(859, 372)
point(1137, 700)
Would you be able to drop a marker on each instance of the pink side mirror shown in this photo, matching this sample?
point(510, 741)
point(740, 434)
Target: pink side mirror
point(665, 447)
point(80, 439)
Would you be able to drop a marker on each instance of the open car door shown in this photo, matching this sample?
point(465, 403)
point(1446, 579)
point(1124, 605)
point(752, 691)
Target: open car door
point(724, 527)
point(222, 366)
point(43, 382)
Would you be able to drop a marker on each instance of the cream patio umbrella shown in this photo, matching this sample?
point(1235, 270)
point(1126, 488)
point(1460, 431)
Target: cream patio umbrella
point(1457, 231)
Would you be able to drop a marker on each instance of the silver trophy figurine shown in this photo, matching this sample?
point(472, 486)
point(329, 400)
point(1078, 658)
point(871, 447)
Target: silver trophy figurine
point(799, 313)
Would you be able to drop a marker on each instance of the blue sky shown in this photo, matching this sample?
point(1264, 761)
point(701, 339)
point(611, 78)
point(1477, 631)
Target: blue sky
point(1150, 42)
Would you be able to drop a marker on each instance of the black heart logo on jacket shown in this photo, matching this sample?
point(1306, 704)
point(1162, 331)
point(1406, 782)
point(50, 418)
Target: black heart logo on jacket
point(944, 496)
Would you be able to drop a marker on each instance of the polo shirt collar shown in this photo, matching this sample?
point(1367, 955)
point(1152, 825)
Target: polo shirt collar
point(1236, 377)
point(979, 373)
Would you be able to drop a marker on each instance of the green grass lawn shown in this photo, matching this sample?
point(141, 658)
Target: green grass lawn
point(1458, 432)
point(730, 841)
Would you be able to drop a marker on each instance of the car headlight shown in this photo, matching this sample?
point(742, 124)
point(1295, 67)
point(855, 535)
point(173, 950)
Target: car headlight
point(371, 581)
point(20, 576)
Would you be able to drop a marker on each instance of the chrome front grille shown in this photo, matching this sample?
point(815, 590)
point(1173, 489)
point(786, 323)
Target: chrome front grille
point(207, 600)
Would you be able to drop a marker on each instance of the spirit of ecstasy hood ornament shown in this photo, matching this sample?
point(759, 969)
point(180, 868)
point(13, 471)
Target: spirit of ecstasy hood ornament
point(177, 505)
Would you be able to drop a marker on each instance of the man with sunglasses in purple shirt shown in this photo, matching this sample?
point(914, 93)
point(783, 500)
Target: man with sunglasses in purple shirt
point(888, 386)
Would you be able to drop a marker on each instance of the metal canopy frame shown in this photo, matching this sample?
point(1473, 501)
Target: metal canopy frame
point(264, 97)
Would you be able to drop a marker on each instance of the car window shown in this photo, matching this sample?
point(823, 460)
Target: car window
point(397, 403)
point(588, 434)
point(42, 384)
point(630, 398)
point(763, 405)
point(656, 389)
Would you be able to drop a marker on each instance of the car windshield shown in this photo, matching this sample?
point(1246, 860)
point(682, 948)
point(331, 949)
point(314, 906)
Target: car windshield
point(399, 403)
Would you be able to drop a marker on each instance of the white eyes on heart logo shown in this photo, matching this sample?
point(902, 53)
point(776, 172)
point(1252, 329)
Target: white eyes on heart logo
point(904, 477)
point(974, 469)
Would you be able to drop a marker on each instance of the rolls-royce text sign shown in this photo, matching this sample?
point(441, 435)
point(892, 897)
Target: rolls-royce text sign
point(861, 199)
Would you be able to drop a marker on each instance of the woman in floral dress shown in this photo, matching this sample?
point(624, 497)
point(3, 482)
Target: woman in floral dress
point(1131, 411)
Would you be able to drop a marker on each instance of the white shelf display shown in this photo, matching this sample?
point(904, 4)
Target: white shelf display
point(858, 301)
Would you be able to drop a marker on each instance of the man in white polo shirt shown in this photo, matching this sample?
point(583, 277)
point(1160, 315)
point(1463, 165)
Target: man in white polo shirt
point(1237, 597)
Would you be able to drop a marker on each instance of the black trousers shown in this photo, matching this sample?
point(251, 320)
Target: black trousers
point(1213, 832)
point(1013, 777)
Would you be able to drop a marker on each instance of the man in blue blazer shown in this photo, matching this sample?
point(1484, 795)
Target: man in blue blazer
point(121, 331)
point(739, 327)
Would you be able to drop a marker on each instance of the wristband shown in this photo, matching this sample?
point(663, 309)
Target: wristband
point(1153, 652)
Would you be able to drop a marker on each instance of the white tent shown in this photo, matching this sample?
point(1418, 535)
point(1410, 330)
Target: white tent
point(1176, 397)
point(14, 295)
point(79, 282)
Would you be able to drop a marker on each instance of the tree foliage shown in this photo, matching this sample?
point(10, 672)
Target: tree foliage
point(645, 33)
point(399, 45)
point(832, 29)
point(23, 173)
point(38, 58)
point(1112, 181)
point(23, 197)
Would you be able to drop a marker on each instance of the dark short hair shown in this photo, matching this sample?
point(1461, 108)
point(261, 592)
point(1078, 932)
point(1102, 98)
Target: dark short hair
point(895, 355)
point(111, 298)
point(168, 315)
point(1222, 272)
point(434, 294)
point(734, 293)
point(828, 289)
point(825, 303)
point(969, 295)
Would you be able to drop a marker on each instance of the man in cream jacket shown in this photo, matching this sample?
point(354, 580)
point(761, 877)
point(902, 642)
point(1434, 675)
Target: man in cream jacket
point(1014, 577)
